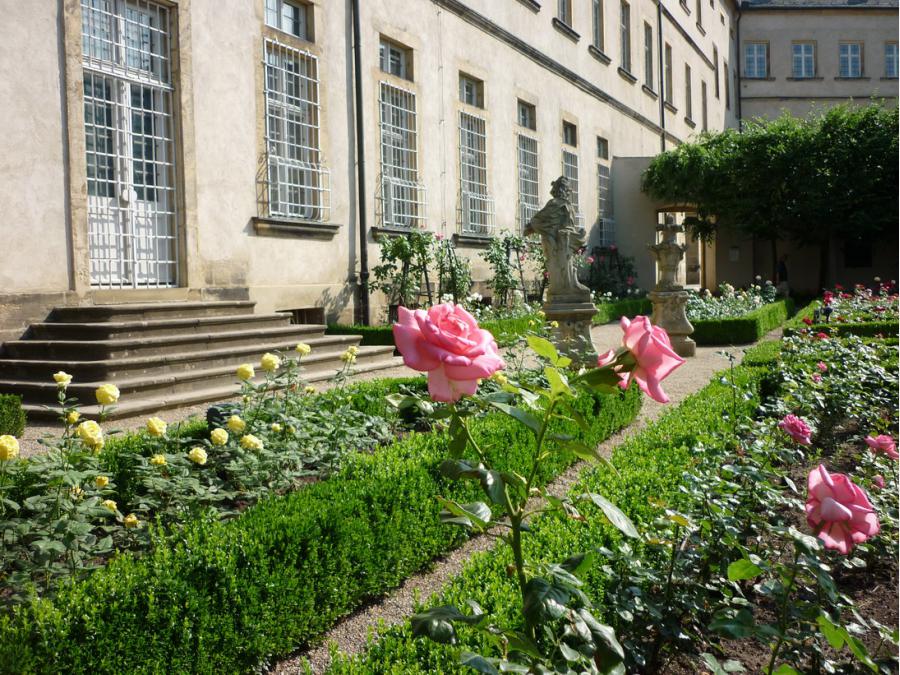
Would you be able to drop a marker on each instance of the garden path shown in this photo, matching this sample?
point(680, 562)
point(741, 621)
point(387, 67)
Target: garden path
point(350, 634)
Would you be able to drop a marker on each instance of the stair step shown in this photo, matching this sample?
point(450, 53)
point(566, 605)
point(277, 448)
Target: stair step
point(41, 370)
point(89, 350)
point(151, 310)
point(117, 330)
point(146, 404)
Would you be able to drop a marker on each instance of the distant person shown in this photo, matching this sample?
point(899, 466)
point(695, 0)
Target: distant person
point(781, 276)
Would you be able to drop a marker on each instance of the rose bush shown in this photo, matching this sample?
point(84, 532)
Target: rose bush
point(839, 511)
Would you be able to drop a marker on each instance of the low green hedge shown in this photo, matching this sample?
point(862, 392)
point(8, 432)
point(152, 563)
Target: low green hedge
point(12, 417)
point(505, 331)
point(649, 468)
point(886, 329)
point(743, 329)
point(218, 597)
point(613, 311)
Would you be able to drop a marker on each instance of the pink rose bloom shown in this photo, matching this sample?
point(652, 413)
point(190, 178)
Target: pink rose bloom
point(653, 353)
point(816, 378)
point(613, 247)
point(883, 443)
point(821, 336)
point(839, 511)
point(796, 428)
point(878, 480)
point(807, 321)
point(590, 259)
point(822, 366)
point(629, 281)
point(447, 343)
point(439, 236)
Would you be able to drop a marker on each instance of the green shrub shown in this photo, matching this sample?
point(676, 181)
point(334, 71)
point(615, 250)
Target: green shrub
point(744, 329)
point(613, 311)
point(887, 329)
point(505, 331)
point(222, 596)
point(12, 417)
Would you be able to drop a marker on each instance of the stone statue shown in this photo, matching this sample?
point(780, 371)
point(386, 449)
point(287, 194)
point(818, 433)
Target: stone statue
point(561, 238)
point(568, 304)
point(669, 297)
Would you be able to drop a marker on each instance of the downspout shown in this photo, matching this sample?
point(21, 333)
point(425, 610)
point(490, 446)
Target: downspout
point(740, 69)
point(361, 209)
point(662, 76)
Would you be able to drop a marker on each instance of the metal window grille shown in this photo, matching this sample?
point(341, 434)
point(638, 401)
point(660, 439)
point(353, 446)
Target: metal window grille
point(476, 206)
point(129, 147)
point(890, 59)
point(804, 62)
point(297, 179)
point(604, 206)
point(402, 196)
point(850, 59)
point(528, 179)
point(570, 171)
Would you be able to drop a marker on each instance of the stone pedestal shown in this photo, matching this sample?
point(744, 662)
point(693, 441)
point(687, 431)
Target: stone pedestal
point(573, 335)
point(669, 313)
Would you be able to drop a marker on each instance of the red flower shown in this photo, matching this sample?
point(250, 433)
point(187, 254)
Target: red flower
point(807, 321)
point(821, 336)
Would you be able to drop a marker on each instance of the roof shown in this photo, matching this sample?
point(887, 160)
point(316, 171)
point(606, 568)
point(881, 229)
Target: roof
point(819, 4)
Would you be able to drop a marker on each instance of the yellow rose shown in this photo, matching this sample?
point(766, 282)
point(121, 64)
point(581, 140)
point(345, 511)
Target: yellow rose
point(131, 521)
point(101, 481)
point(156, 427)
point(348, 357)
point(9, 447)
point(270, 363)
point(109, 504)
point(499, 378)
point(309, 389)
point(235, 424)
point(73, 417)
point(554, 324)
point(541, 315)
point(251, 442)
point(62, 379)
point(353, 349)
point(245, 372)
point(197, 456)
point(303, 349)
point(76, 492)
point(91, 433)
point(158, 460)
point(276, 427)
point(218, 437)
point(107, 394)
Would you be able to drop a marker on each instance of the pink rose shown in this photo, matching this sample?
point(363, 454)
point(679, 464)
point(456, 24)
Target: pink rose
point(883, 443)
point(839, 511)
point(796, 428)
point(653, 354)
point(613, 247)
point(821, 336)
point(590, 259)
point(822, 366)
point(807, 321)
point(447, 343)
point(878, 480)
point(629, 281)
point(816, 378)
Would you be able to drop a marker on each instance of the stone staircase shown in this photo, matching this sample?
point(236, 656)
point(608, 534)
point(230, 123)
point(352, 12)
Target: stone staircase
point(163, 355)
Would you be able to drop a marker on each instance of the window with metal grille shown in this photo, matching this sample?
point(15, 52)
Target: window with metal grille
point(625, 34)
point(476, 206)
point(290, 17)
point(890, 59)
point(129, 143)
point(402, 196)
point(528, 178)
point(648, 55)
point(851, 59)
point(597, 23)
point(570, 171)
point(298, 181)
point(756, 60)
point(803, 59)
point(604, 206)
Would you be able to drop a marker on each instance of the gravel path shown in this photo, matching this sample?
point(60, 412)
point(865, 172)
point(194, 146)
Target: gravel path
point(350, 634)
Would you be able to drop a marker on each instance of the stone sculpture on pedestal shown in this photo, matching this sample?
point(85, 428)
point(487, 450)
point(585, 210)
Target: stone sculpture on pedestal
point(568, 301)
point(669, 297)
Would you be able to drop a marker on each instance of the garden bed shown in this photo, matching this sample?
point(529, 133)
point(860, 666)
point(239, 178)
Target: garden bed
point(613, 311)
point(743, 329)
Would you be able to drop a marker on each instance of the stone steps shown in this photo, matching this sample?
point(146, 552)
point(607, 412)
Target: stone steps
point(164, 355)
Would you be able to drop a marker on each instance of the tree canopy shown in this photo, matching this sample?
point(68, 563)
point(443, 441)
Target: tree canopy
point(830, 175)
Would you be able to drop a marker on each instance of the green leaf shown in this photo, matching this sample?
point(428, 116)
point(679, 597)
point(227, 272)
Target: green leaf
point(785, 669)
point(677, 518)
point(544, 600)
point(559, 383)
point(738, 625)
point(860, 652)
point(836, 635)
point(730, 666)
point(520, 642)
point(578, 563)
point(525, 418)
point(602, 380)
point(543, 347)
point(437, 623)
point(608, 646)
point(613, 514)
point(476, 515)
point(743, 569)
point(478, 663)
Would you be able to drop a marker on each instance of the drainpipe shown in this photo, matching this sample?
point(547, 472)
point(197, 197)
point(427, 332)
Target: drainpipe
point(662, 76)
point(740, 69)
point(361, 211)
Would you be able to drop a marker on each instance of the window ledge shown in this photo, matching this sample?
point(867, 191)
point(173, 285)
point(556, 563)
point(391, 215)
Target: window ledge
point(671, 108)
point(293, 227)
point(379, 232)
point(860, 78)
point(894, 77)
point(533, 5)
point(599, 54)
point(627, 75)
point(691, 123)
point(471, 239)
point(757, 79)
point(801, 79)
point(701, 28)
point(647, 90)
point(566, 29)
point(685, 7)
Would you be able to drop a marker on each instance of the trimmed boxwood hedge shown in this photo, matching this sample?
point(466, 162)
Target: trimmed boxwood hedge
point(743, 329)
point(12, 417)
point(216, 597)
point(505, 331)
point(649, 468)
point(613, 311)
point(862, 328)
